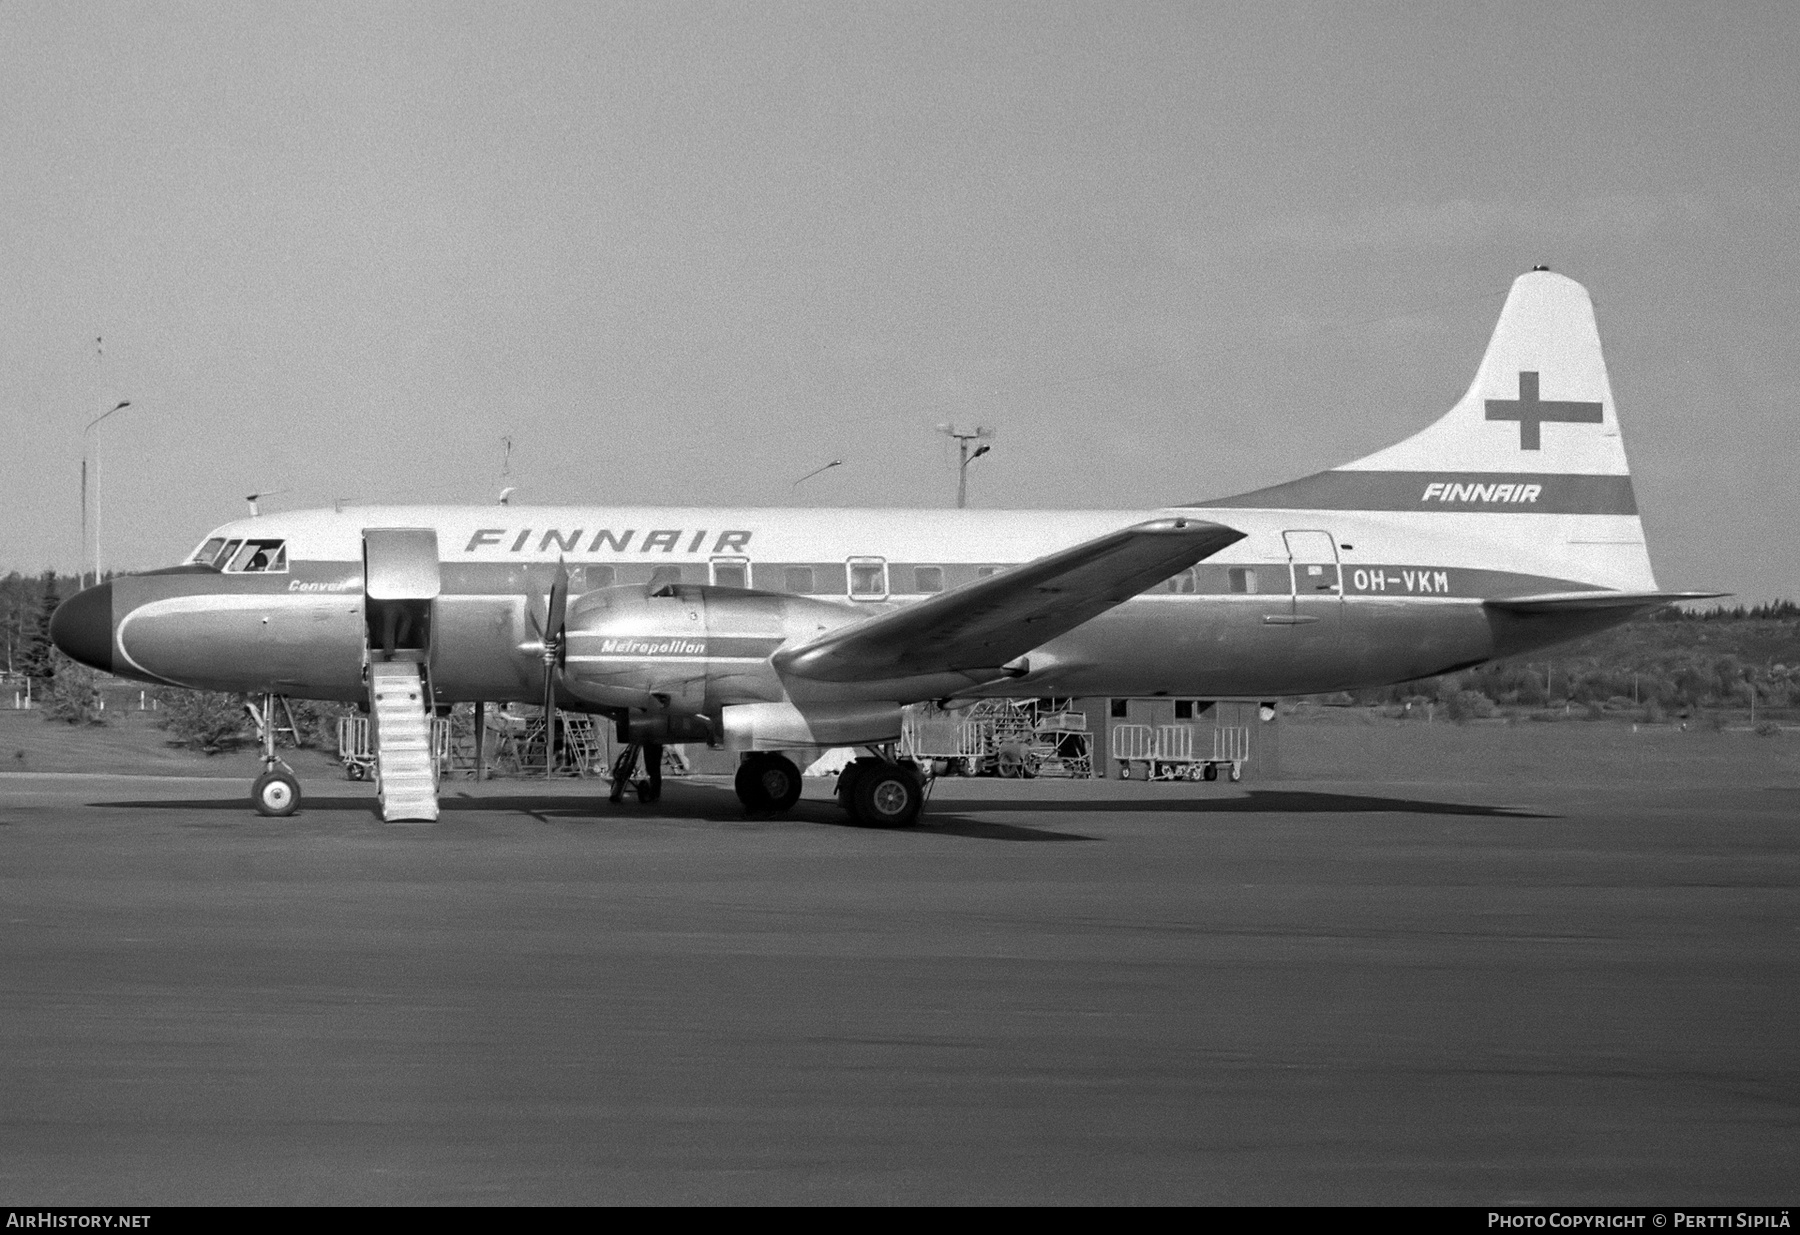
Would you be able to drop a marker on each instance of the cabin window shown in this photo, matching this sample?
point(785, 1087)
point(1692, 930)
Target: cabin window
point(928, 578)
point(664, 575)
point(208, 551)
point(1184, 709)
point(1181, 584)
point(1121, 708)
point(256, 557)
point(1243, 579)
point(868, 578)
point(730, 572)
point(595, 576)
point(985, 571)
point(798, 579)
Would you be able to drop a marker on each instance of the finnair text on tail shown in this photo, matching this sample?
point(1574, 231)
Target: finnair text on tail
point(1445, 492)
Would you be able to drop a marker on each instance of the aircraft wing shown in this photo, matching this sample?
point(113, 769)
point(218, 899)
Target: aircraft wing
point(985, 624)
point(1584, 602)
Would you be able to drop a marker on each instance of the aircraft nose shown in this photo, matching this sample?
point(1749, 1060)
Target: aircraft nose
point(82, 627)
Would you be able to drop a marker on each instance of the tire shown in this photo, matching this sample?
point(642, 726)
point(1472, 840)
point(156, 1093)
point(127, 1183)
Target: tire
point(275, 795)
point(846, 785)
point(1211, 772)
point(781, 783)
point(768, 782)
point(1237, 773)
point(887, 796)
point(748, 784)
point(1124, 770)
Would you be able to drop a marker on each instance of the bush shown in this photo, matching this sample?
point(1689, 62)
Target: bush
point(202, 720)
point(1768, 729)
point(315, 721)
point(1467, 705)
point(74, 693)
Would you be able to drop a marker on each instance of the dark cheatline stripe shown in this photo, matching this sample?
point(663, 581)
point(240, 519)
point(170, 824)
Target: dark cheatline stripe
point(1509, 493)
point(587, 644)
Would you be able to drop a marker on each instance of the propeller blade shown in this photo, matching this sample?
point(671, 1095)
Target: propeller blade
point(557, 609)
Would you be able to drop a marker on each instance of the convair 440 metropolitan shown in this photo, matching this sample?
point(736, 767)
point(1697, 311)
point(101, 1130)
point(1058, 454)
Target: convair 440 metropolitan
point(1507, 525)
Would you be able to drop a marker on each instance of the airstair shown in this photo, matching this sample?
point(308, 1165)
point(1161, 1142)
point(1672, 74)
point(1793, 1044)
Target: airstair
point(405, 766)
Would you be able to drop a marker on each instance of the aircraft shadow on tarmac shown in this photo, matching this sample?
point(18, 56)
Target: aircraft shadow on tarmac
point(1260, 801)
point(709, 803)
point(718, 804)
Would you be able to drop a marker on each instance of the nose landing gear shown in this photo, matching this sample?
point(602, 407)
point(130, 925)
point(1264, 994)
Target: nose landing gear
point(276, 793)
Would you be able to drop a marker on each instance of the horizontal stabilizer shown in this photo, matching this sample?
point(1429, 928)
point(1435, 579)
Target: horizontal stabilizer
point(985, 624)
point(1586, 602)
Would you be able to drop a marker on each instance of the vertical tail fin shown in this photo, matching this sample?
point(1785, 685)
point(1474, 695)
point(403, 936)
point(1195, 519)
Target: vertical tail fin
point(1540, 403)
point(1536, 435)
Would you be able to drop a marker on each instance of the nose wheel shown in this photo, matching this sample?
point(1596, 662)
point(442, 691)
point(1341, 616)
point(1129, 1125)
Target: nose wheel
point(276, 794)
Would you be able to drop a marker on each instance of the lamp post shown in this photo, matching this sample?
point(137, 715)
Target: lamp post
point(964, 457)
point(99, 571)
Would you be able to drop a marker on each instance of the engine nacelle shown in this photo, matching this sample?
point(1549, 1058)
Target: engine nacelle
point(780, 726)
point(664, 727)
point(686, 649)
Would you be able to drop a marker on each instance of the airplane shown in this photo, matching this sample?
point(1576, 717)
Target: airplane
point(1507, 525)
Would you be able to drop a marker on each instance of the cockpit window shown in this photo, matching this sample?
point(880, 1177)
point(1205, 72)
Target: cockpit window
point(205, 554)
point(257, 557)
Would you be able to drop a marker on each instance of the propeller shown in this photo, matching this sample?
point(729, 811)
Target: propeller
point(550, 631)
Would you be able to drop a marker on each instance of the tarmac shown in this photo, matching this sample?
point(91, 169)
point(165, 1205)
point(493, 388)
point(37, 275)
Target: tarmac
point(1057, 992)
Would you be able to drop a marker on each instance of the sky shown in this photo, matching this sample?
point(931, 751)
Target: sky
point(688, 253)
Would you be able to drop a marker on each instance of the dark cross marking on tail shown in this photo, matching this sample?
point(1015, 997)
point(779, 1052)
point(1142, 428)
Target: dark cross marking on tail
point(1531, 412)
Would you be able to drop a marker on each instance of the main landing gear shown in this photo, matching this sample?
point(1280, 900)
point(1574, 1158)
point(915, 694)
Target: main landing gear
point(882, 792)
point(768, 782)
point(879, 791)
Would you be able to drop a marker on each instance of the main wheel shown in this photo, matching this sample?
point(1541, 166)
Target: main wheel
point(846, 783)
point(781, 782)
point(275, 795)
point(887, 796)
point(748, 784)
point(1211, 772)
point(768, 782)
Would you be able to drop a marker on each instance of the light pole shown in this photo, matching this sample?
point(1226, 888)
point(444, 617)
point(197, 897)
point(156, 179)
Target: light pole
point(964, 457)
point(122, 404)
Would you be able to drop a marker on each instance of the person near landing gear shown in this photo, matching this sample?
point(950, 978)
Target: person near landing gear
point(624, 768)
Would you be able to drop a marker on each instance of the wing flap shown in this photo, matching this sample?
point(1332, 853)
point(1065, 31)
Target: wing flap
point(991, 621)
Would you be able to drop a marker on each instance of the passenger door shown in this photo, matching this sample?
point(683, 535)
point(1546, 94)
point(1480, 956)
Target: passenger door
point(1315, 579)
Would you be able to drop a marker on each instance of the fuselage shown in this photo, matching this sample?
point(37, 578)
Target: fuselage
point(1308, 601)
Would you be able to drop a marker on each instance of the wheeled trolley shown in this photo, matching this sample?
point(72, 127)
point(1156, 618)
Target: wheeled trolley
point(1174, 752)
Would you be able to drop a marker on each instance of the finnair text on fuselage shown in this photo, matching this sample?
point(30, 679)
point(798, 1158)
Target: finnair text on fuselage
point(664, 540)
point(1441, 491)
